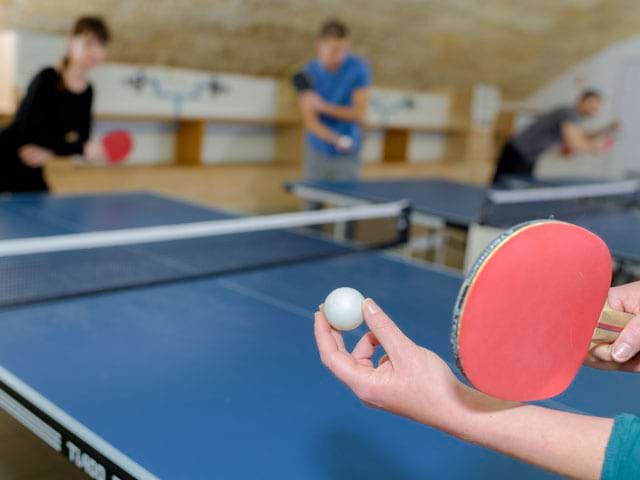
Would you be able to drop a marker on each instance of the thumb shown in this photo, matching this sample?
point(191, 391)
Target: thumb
point(386, 331)
point(628, 342)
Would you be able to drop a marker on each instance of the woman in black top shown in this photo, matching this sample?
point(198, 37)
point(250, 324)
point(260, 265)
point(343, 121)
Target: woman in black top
point(54, 118)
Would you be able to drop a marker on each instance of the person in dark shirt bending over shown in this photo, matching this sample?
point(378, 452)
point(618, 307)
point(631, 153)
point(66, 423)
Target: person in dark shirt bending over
point(54, 118)
point(560, 126)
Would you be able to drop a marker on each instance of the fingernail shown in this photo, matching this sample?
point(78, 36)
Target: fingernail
point(622, 352)
point(370, 307)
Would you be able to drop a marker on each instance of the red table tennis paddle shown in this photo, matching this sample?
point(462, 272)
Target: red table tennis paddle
point(301, 82)
point(117, 145)
point(532, 307)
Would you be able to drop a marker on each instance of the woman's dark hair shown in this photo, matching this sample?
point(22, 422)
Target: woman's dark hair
point(93, 26)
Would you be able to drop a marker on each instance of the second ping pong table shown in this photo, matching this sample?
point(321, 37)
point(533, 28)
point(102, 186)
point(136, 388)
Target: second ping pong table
point(439, 203)
point(219, 377)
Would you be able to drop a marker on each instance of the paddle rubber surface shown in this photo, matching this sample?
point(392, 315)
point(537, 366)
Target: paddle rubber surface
point(526, 314)
point(117, 145)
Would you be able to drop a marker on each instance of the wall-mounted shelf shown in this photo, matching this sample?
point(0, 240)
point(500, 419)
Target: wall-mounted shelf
point(266, 121)
point(462, 140)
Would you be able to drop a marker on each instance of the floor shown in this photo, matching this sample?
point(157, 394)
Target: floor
point(245, 188)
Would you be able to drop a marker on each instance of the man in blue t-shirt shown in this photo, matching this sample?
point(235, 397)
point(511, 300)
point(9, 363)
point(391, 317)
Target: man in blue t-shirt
point(334, 104)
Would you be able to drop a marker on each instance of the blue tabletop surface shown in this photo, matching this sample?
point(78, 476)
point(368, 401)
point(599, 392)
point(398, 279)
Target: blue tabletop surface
point(458, 203)
point(461, 204)
point(220, 377)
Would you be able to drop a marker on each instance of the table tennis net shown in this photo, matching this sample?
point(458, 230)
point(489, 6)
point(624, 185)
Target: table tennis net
point(43, 269)
point(565, 202)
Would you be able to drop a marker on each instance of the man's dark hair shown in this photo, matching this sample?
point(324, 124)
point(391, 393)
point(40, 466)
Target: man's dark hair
point(333, 28)
point(590, 93)
point(92, 26)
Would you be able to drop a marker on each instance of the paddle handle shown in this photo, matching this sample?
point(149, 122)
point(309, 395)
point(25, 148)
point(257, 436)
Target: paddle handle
point(609, 326)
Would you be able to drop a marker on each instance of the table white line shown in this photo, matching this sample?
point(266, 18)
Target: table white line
point(568, 192)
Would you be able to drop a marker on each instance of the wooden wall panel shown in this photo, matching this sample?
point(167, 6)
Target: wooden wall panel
point(190, 142)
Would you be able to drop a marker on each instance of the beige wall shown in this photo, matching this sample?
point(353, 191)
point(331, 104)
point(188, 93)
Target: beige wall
point(7, 72)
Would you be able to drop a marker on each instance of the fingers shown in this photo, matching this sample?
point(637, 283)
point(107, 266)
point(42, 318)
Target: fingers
point(627, 345)
point(600, 358)
point(326, 341)
point(632, 365)
point(341, 364)
point(31, 161)
point(26, 154)
point(33, 156)
point(615, 298)
point(385, 331)
point(336, 334)
point(602, 353)
point(94, 152)
point(365, 348)
point(625, 298)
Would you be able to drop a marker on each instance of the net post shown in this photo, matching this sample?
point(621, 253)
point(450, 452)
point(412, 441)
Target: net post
point(485, 209)
point(403, 225)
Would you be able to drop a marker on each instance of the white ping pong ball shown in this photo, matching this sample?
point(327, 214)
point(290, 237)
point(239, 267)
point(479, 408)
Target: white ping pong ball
point(343, 308)
point(345, 142)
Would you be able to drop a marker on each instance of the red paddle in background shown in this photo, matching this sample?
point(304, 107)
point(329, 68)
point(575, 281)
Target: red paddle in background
point(533, 306)
point(117, 145)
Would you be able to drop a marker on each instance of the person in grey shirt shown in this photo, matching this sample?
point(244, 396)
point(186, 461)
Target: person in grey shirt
point(562, 125)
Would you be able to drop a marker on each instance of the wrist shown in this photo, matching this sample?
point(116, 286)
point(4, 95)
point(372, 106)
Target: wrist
point(322, 110)
point(471, 412)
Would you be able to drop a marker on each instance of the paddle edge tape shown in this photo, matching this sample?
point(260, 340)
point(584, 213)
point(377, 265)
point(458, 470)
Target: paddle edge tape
point(476, 269)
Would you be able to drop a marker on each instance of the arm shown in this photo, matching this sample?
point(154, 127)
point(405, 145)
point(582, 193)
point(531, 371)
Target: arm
point(414, 382)
point(32, 122)
point(87, 124)
point(565, 443)
point(312, 123)
point(356, 113)
point(606, 130)
point(92, 151)
point(578, 141)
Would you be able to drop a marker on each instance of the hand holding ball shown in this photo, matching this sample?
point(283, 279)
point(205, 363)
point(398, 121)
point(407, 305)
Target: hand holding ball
point(343, 308)
point(345, 143)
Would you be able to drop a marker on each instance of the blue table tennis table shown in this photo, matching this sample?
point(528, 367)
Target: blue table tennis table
point(219, 377)
point(460, 205)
